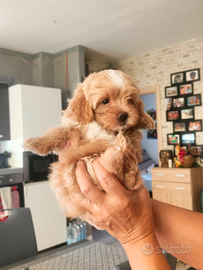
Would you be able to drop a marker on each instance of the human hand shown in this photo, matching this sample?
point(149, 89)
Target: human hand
point(125, 214)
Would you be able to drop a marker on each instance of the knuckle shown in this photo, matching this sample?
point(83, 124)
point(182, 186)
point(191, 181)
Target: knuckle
point(106, 178)
point(87, 191)
point(126, 202)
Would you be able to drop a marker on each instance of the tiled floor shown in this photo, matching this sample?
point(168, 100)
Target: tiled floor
point(106, 238)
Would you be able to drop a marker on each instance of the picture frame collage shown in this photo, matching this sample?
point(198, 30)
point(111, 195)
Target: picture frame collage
point(180, 105)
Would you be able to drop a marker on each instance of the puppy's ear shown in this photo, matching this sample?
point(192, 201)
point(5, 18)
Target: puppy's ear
point(80, 108)
point(145, 120)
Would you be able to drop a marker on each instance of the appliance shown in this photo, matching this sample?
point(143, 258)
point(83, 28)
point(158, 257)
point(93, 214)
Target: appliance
point(4, 160)
point(11, 190)
point(36, 168)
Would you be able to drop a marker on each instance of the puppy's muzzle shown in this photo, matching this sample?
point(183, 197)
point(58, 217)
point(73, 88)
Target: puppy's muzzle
point(122, 118)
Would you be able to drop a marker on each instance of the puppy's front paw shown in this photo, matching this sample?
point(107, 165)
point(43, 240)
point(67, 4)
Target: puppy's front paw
point(38, 145)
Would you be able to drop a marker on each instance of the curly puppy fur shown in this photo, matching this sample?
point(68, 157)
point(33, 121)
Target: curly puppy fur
point(104, 119)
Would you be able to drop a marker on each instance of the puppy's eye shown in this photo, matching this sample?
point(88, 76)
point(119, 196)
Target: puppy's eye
point(130, 101)
point(106, 101)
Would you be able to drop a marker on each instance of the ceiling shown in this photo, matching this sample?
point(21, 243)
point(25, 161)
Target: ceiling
point(110, 29)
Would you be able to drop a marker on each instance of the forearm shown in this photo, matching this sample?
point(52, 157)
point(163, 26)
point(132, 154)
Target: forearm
point(179, 232)
point(146, 254)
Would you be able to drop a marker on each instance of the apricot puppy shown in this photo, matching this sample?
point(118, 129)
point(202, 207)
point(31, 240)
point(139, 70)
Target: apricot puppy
point(104, 119)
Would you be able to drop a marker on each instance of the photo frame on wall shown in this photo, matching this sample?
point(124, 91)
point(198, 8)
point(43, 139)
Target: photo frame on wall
point(186, 89)
point(177, 78)
point(195, 125)
point(188, 138)
point(169, 103)
point(171, 91)
point(173, 139)
point(172, 115)
point(192, 75)
point(178, 102)
point(194, 100)
point(179, 127)
point(187, 114)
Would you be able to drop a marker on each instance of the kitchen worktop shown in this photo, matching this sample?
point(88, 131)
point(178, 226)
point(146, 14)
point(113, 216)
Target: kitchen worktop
point(10, 171)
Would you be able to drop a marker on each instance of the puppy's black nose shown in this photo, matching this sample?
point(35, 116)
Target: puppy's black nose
point(122, 117)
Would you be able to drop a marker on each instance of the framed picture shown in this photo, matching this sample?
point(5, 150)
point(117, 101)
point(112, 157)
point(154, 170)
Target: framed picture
point(173, 139)
point(187, 114)
point(171, 91)
point(168, 103)
point(194, 100)
point(172, 115)
point(196, 150)
point(195, 125)
point(152, 133)
point(152, 113)
point(179, 127)
point(188, 138)
point(177, 78)
point(193, 75)
point(185, 89)
point(178, 102)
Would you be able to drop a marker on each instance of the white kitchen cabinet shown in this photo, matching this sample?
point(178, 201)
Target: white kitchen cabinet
point(49, 221)
point(33, 110)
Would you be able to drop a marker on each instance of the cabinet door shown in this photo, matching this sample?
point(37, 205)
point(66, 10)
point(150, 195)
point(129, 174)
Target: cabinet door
point(182, 201)
point(4, 113)
point(49, 221)
point(162, 196)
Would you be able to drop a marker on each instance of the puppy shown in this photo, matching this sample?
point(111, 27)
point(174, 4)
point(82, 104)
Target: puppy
point(104, 119)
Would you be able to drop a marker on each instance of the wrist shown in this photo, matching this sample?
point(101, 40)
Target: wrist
point(146, 254)
point(140, 242)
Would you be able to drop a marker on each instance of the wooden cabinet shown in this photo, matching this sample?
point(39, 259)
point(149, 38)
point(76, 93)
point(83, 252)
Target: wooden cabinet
point(178, 186)
point(4, 113)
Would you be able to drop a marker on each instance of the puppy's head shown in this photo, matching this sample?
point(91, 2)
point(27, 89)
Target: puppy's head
point(111, 98)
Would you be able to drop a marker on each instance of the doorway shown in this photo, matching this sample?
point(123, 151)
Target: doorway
point(151, 98)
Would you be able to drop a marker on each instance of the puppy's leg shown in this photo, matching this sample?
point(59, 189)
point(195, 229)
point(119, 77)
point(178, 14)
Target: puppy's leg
point(53, 140)
point(122, 162)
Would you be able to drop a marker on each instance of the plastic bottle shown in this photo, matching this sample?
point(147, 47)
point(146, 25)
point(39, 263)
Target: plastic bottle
point(81, 229)
point(84, 229)
point(78, 230)
point(71, 234)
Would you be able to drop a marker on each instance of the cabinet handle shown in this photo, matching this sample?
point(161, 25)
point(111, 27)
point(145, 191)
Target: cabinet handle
point(1, 176)
point(159, 174)
point(180, 188)
point(180, 175)
point(1, 136)
point(160, 186)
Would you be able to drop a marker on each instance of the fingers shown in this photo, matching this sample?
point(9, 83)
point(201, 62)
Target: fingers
point(91, 192)
point(108, 181)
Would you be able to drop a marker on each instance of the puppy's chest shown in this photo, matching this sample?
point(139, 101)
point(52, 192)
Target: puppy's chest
point(95, 132)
